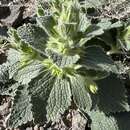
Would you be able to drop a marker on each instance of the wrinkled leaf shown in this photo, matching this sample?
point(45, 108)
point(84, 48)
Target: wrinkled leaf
point(59, 99)
point(33, 36)
point(96, 59)
point(80, 94)
point(25, 74)
point(100, 121)
point(21, 112)
point(112, 95)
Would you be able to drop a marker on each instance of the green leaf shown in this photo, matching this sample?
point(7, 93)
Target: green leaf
point(80, 94)
point(46, 22)
point(4, 75)
point(54, 97)
point(125, 38)
point(59, 99)
point(34, 36)
point(91, 32)
point(93, 3)
point(40, 10)
point(106, 24)
point(96, 59)
point(100, 121)
point(30, 101)
point(13, 37)
point(112, 95)
point(13, 58)
point(123, 120)
point(63, 60)
point(83, 24)
point(117, 24)
point(25, 74)
point(94, 31)
point(108, 39)
point(21, 112)
point(40, 89)
point(93, 74)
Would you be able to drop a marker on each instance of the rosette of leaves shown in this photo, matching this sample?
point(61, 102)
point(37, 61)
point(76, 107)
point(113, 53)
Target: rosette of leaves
point(54, 65)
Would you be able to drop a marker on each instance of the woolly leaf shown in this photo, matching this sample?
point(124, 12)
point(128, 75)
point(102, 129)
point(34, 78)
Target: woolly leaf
point(83, 24)
point(112, 95)
point(91, 32)
point(123, 120)
point(40, 89)
point(63, 60)
point(25, 74)
point(59, 100)
point(93, 74)
point(80, 94)
point(93, 3)
point(34, 36)
point(13, 61)
point(96, 59)
point(100, 121)
point(46, 22)
point(21, 112)
point(4, 75)
point(125, 36)
point(106, 24)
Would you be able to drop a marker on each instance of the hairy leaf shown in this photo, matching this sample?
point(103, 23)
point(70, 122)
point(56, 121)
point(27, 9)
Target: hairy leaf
point(59, 100)
point(40, 89)
point(100, 121)
point(106, 24)
point(125, 38)
point(93, 74)
point(80, 94)
point(63, 60)
point(46, 22)
point(123, 120)
point(21, 111)
point(112, 95)
point(4, 75)
point(25, 74)
point(91, 32)
point(31, 100)
point(95, 58)
point(34, 36)
point(83, 24)
point(93, 3)
point(13, 61)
